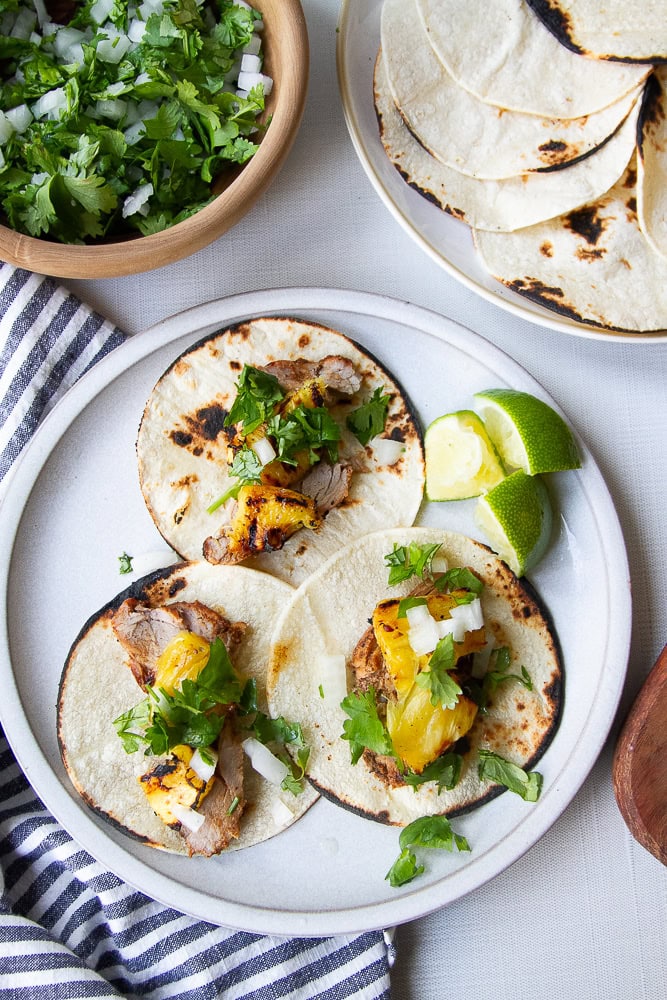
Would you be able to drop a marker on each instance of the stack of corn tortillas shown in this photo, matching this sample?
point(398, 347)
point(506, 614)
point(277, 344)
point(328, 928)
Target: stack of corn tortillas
point(523, 120)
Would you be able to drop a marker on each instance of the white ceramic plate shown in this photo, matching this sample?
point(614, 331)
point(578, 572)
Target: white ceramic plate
point(446, 240)
point(73, 506)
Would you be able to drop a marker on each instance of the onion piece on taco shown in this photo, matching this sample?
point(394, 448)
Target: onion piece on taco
point(275, 442)
point(160, 694)
point(442, 667)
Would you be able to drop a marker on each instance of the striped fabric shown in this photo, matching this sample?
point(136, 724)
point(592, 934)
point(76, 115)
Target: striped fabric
point(68, 927)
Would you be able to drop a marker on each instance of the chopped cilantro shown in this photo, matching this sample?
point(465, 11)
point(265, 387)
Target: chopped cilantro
point(445, 770)
point(499, 672)
point(305, 428)
point(283, 733)
point(368, 420)
point(493, 767)
point(188, 716)
point(444, 689)
point(406, 561)
point(129, 145)
point(425, 832)
point(407, 603)
point(257, 392)
point(125, 563)
point(460, 578)
point(364, 729)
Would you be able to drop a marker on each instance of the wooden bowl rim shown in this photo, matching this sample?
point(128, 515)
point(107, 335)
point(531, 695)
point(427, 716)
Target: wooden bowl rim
point(288, 61)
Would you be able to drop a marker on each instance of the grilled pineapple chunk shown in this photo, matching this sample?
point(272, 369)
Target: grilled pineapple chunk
point(310, 395)
point(173, 782)
point(391, 632)
point(185, 656)
point(419, 730)
point(265, 518)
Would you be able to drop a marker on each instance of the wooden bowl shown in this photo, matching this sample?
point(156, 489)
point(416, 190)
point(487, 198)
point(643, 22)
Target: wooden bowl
point(286, 60)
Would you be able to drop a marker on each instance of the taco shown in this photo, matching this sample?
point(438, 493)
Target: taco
point(159, 696)
point(275, 442)
point(400, 730)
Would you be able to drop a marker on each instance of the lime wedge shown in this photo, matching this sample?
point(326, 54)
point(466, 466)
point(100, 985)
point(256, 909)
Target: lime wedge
point(527, 433)
point(461, 462)
point(516, 518)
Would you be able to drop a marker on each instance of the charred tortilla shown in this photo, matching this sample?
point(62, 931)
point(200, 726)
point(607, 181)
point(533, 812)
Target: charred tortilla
point(98, 685)
point(329, 615)
point(615, 29)
point(183, 444)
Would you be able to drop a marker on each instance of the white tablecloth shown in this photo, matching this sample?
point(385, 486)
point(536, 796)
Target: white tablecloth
point(584, 913)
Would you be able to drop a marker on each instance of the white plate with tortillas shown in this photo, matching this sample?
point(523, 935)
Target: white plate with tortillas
point(541, 190)
point(74, 506)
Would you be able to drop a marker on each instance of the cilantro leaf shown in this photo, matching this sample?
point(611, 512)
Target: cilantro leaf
point(125, 563)
point(406, 561)
point(444, 689)
point(425, 832)
point(493, 767)
point(404, 869)
point(305, 429)
point(246, 466)
point(460, 578)
point(283, 732)
point(364, 729)
point(432, 832)
point(445, 770)
point(162, 720)
point(407, 603)
point(368, 420)
point(499, 673)
point(257, 393)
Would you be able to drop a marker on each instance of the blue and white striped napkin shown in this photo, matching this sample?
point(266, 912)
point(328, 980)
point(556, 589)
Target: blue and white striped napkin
point(68, 927)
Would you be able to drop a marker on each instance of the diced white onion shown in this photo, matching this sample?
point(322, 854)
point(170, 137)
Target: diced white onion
point(135, 202)
point(188, 817)
point(243, 94)
point(439, 563)
point(247, 81)
point(151, 7)
point(281, 812)
point(204, 769)
point(142, 78)
point(41, 11)
point(251, 63)
point(253, 47)
point(112, 108)
point(418, 615)
point(386, 451)
point(448, 626)
point(66, 38)
point(20, 117)
point(24, 24)
point(134, 132)
point(114, 47)
point(50, 105)
point(424, 638)
point(470, 615)
point(136, 31)
point(6, 128)
point(39, 178)
point(264, 450)
point(264, 762)
point(333, 678)
point(100, 10)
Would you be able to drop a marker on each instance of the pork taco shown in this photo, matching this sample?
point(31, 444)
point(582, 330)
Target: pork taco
point(162, 707)
point(416, 694)
point(275, 442)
